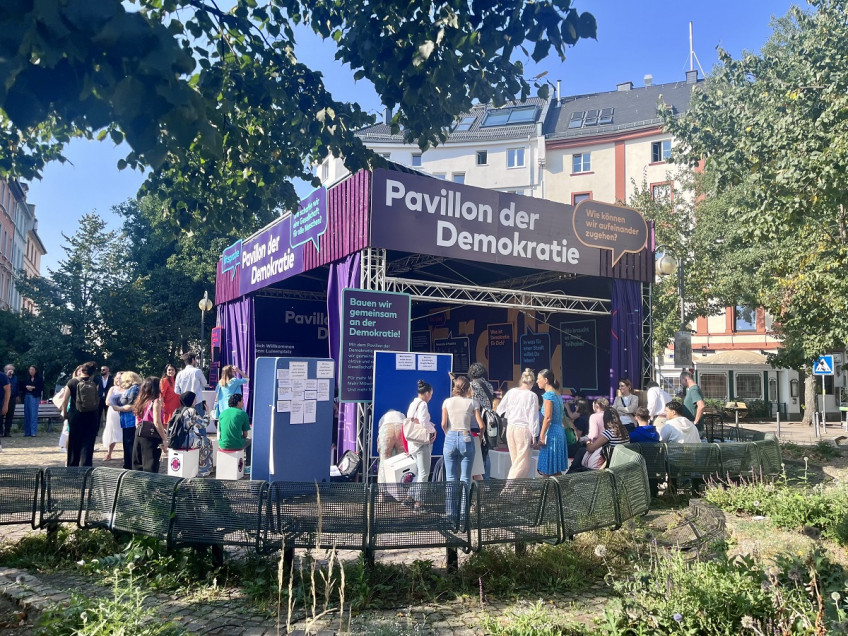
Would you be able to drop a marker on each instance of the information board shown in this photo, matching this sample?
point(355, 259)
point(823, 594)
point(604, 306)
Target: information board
point(535, 351)
point(292, 419)
point(501, 352)
point(395, 383)
point(579, 340)
point(459, 348)
point(371, 321)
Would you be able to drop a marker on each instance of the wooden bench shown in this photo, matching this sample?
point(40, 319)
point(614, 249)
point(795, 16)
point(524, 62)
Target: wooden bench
point(47, 411)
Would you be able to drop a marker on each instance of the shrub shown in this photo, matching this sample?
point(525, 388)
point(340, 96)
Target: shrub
point(728, 596)
point(759, 409)
point(788, 506)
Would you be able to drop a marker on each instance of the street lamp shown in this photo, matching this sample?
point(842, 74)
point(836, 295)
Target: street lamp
point(666, 266)
point(205, 305)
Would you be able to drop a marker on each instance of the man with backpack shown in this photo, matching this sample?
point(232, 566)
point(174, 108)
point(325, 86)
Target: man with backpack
point(80, 402)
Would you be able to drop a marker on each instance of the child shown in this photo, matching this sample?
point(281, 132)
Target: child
point(645, 432)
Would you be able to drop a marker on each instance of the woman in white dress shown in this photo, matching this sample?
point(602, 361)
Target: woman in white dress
point(112, 433)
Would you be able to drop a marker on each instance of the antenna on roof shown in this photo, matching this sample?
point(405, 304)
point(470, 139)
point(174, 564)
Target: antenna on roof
point(692, 56)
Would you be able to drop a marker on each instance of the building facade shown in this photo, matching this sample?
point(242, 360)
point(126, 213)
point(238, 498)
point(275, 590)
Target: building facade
point(601, 146)
point(20, 247)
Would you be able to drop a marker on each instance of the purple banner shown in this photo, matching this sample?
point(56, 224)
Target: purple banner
point(418, 214)
point(310, 222)
point(501, 352)
point(371, 321)
point(267, 257)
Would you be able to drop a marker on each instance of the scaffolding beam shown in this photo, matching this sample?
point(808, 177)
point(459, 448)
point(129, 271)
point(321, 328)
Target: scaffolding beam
point(456, 294)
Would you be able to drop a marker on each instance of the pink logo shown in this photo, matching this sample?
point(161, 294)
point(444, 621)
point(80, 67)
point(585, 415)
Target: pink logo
point(176, 463)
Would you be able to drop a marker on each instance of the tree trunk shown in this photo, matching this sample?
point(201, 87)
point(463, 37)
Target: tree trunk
point(809, 398)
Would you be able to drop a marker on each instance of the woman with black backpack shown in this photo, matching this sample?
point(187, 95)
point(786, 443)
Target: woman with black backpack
point(80, 402)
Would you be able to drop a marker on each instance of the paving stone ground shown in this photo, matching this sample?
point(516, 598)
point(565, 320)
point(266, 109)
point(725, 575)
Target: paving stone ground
point(232, 616)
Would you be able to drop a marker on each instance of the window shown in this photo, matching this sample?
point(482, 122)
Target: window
point(465, 124)
point(515, 157)
point(671, 385)
point(606, 116)
point(416, 159)
point(661, 191)
point(591, 117)
point(385, 155)
point(744, 318)
point(660, 151)
point(325, 170)
point(459, 177)
point(577, 197)
point(581, 162)
point(482, 157)
point(518, 115)
point(713, 385)
point(749, 386)
point(576, 119)
point(439, 175)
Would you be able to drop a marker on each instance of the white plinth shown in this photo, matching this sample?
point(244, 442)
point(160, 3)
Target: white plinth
point(183, 463)
point(230, 464)
point(500, 463)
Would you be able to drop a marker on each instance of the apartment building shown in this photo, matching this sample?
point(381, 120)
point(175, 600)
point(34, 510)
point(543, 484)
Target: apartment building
point(21, 248)
point(602, 146)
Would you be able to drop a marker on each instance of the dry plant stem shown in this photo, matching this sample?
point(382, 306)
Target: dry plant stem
point(291, 598)
point(342, 597)
point(280, 572)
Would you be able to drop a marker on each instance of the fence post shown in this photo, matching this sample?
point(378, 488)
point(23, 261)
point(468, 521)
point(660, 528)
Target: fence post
point(778, 423)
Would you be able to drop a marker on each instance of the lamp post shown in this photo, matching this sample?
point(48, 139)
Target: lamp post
point(205, 305)
point(666, 266)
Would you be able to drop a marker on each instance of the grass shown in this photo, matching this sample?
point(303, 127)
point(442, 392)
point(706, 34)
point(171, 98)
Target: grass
point(820, 452)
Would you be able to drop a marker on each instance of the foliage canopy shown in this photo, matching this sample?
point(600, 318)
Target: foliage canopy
point(218, 105)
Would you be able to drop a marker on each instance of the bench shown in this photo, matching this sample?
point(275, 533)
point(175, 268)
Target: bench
point(516, 511)
point(47, 411)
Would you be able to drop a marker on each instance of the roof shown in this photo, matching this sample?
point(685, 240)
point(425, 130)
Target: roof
point(734, 358)
point(632, 109)
point(381, 132)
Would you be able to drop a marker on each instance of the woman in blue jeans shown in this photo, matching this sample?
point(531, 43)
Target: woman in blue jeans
point(33, 388)
point(458, 411)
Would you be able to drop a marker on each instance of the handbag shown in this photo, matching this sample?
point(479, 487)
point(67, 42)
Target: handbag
point(146, 428)
point(415, 431)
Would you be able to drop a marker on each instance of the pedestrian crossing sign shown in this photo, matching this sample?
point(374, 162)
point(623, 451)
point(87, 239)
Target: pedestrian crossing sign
point(823, 366)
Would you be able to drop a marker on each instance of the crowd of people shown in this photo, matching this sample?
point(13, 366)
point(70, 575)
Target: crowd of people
point(139, 414)
point(570, 436)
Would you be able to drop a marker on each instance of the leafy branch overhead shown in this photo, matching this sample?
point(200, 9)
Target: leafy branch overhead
point(218, 105)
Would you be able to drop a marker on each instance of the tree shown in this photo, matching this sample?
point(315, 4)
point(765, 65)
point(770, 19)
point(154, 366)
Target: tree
point(772, 131)
point(71, 325)
point(217, 103)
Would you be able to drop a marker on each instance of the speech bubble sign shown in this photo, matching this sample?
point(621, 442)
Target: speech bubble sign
point(310, 221)
point(535, 350)
point(231, 259)
point(610, 227)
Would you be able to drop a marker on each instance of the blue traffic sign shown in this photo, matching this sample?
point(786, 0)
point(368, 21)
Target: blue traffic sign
point(823, 366)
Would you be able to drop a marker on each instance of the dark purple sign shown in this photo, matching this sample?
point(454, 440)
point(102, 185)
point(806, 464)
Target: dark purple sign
point(418, 214)
point(535, 351)
point(459, 348)
point(501, 352)
point(268, 258)
point(579, 342)
point(310, 222)
point(371, 321)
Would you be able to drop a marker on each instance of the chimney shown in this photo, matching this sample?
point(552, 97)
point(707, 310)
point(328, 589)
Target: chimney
point(649, 79)
point(624, 86)
point(387, 116)
point(559, 90)
point(692, 76)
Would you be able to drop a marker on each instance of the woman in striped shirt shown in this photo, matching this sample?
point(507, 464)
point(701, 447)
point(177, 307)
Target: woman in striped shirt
point(614, 433)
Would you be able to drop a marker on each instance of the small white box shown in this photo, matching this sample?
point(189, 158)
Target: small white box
point(500, 463)
point(183, 463)
point(398, 473)
point(215, 449)
point(230, 464)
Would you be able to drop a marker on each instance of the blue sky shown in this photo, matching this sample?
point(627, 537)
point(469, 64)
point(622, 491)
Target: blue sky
point(634, 39)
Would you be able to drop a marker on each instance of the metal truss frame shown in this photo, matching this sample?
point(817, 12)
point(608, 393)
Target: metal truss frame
point(453, 293)
point(648, 369)
point(293, 294)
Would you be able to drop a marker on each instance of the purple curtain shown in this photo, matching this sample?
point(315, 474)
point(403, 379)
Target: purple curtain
point(626, 334)
point(239, 346)
point(343, 273)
